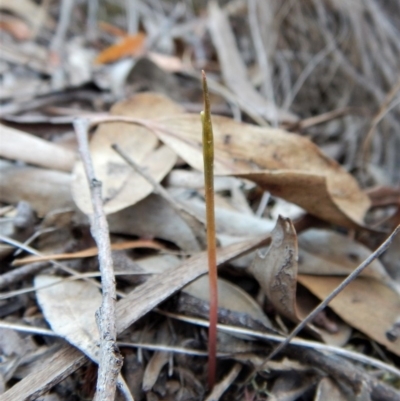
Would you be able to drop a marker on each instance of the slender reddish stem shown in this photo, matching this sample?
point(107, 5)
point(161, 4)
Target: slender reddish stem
point(208, 154)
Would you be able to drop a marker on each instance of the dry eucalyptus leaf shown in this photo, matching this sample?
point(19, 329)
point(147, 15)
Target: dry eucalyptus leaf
point(325, 252)
point(19, 145)
point(276, 273)
point(228, 221)
point(45, 190)
point(365, 304)
point(288, 165)
point(121, 185)
point(230, 297)
point(69, 307)
point(158, 263)
point(154, 217)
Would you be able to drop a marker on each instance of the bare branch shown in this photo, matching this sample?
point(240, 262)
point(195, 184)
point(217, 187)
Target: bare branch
point(110, 361)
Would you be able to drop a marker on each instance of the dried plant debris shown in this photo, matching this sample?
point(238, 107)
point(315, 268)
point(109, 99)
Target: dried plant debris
point(121, 185)
point(305, 112)
point(276, 273)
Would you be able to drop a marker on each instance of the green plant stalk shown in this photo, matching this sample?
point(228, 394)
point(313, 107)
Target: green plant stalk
point(208, 156)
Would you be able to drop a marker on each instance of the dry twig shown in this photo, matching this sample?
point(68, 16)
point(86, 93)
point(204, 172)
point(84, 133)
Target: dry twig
point(110, 362)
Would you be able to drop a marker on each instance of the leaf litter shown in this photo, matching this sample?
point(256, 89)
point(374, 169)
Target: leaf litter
point(307, 130)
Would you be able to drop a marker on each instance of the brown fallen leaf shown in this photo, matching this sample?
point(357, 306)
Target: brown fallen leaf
point(121, 185)
point(128, 46)
point(288, 165)
point(365, 304)
point(276, 273)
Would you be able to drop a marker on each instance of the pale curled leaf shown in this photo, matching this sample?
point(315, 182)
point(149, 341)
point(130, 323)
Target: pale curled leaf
point(69, 307)
point(121, 185)
point(276, 273)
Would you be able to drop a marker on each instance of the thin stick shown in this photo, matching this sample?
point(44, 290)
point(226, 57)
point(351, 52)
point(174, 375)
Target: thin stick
point(110, 361)
point(33, 251)
point(208, 154)
point(385, 245)
point(243, 331)
point(352, 355)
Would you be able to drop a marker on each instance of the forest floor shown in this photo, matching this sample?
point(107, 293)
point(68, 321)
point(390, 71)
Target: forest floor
point(102, 200)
